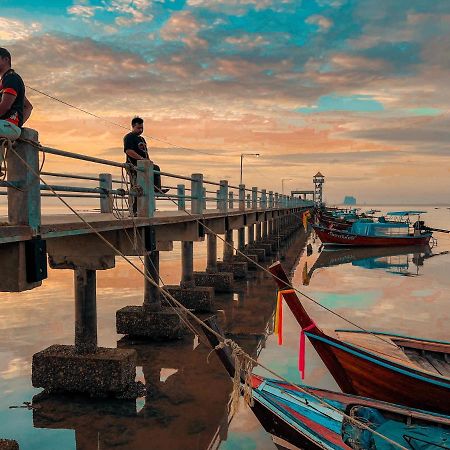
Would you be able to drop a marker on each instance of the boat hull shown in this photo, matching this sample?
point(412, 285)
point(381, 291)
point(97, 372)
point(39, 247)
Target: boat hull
point(365, 374)
point(344, 238)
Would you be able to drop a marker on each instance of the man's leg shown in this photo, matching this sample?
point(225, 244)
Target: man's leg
point(132, 199)
point(9, 130)
point(157, 179)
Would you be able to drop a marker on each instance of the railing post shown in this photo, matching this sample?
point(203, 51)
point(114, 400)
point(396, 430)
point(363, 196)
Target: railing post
point(242, 197)
point(218, 199)
point(264, 199)
point(204, 199)
point(24, 206)
point(223, 206)
point(145, 178)
point(106, 204)
point(276, 200)
point(230, 200)
point(249, 201)
point(254, 198)
point(181, 193)
point(197, 193)
point(270, 199)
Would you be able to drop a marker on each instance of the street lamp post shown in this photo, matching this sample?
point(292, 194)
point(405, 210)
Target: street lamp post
point(242, 158)
point(282, 183)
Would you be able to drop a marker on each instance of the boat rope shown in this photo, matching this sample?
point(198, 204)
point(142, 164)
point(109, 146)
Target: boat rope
point(200, 322)
point(174, 301)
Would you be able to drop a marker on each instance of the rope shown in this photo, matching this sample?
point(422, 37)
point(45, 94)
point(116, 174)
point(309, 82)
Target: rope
point(241, 352)
point(5, 146)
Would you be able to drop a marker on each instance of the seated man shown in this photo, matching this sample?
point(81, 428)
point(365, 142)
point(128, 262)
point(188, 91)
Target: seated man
point(15, 108)
point(135, 147)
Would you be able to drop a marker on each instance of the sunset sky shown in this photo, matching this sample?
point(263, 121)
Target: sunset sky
point(358, 89)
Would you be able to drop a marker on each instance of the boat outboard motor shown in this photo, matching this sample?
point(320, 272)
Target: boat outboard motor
point(418, 226)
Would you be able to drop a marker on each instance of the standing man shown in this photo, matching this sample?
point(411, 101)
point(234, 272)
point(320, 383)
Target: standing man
point(15, 108)
point(135, 147)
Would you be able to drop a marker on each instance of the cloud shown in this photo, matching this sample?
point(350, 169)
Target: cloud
point(322, 22)
point(14, 30)
point(184, 27)
point(82, 11)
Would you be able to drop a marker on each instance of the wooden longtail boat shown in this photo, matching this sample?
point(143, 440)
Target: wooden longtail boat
point(303, 417)
point(399, 369)
point(352, 237)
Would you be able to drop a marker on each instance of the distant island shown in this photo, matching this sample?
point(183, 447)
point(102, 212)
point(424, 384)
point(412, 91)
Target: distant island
point(349, 200)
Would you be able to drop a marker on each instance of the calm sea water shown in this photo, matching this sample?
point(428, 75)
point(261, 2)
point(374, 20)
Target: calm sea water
point(185, 407)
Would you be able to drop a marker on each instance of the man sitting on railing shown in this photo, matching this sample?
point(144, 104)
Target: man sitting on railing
point(15, 108)
point(135, 147)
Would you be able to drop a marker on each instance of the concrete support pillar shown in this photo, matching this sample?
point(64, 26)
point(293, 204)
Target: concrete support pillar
point(241, 239)
point(270, 227)
point(264, 229)
point(223, 195)
point(228, 246)
point(181, 201)
point(242, 197)
point(146, 204)
point(251, 234)
point(258, 232)
point(187, 264)
point(24, 204)
point(211, 264)
point(230, 200)
point(152, 300)
point(106, 204)
point(197, 193)
point(85, 311)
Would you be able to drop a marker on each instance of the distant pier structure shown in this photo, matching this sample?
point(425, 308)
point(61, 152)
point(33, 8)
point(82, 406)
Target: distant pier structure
point(318, 181)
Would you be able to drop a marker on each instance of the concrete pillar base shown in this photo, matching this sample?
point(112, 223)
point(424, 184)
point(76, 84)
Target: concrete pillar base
point(107, 372)
point(259, 252)
point(250, 265)
point(220, 281)
point(266, 246)
point(238, 269)
point(8, 444)
point(200, 299)
point(137, 321)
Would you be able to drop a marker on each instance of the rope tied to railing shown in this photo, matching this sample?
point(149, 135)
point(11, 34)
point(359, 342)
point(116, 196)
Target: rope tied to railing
point(5, 146)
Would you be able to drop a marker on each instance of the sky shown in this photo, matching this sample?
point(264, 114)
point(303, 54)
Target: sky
point(355, 89)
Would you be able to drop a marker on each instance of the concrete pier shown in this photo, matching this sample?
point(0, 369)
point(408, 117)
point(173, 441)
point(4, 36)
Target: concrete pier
point(151, 320)
point(197, 298)
point(238, 269)
point(84, 367)
point(220, 281)
point(8, 444)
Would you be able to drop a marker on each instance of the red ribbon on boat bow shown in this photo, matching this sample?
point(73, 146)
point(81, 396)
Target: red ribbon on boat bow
point(301, 352)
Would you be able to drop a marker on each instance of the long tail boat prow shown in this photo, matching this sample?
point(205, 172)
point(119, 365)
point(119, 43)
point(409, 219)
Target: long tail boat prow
point(407, 370)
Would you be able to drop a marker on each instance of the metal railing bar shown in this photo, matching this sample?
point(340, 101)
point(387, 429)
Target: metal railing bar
point(120, 192)
point(50, 194)
point(173, 175)
point(66, 175)
point(55, 151)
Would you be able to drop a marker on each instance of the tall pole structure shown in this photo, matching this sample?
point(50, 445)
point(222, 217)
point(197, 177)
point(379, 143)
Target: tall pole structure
point(318, 181)
point(242, 160)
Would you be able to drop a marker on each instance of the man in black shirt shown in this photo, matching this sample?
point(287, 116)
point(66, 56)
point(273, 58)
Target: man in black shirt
point(135, 148)
point(15, 108)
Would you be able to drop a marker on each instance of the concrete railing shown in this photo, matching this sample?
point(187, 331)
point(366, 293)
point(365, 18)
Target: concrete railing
point(24, 188)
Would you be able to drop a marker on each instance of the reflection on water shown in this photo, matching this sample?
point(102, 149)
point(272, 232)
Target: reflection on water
point(185, 406)
point(405, 261)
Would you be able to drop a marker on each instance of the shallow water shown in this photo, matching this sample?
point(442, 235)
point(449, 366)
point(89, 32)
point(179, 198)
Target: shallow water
point(185, 407)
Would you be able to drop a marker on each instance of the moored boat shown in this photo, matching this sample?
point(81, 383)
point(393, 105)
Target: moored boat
point(303, 417)
point(399, 369)
point(382, 234)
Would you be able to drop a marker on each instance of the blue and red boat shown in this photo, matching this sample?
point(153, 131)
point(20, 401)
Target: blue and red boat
point(303, 417)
